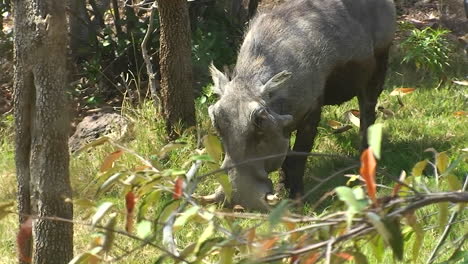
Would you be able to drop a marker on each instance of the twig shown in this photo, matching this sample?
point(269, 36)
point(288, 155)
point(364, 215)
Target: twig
point(329, 250)
point(291, 153)
point(446, 232)
point(149, 67)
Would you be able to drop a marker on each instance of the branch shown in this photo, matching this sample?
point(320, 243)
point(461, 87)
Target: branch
point(154, 86)
point(362, 229)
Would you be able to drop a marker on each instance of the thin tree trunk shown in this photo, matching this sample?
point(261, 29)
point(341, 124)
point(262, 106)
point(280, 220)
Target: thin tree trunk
point(42, 126)
point(177, 96)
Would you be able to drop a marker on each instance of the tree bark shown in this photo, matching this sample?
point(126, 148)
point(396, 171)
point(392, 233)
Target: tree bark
point(42, 126)
point(177, 95)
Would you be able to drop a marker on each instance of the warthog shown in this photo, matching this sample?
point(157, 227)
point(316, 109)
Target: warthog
point(296, 58)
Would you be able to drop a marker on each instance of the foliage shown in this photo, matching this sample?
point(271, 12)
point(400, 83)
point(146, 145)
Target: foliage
point(160, 203)
point(428, 49)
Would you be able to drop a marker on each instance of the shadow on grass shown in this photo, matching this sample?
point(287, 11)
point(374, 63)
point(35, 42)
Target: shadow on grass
point(397, 155)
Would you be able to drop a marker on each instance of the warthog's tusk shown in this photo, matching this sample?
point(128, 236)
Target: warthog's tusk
point(272, 199)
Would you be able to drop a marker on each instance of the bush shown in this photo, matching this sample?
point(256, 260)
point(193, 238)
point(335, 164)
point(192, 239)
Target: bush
point(428, 49)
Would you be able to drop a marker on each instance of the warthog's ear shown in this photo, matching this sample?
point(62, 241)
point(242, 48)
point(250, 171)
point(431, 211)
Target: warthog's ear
point(274, 83)
point(219, 79)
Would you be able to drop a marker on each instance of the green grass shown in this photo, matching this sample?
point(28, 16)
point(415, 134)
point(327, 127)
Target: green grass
point(427, 120)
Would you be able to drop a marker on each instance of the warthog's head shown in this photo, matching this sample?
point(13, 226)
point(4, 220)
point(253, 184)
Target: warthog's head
point(255, 138)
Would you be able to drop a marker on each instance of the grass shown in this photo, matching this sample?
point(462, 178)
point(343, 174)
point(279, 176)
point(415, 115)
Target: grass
point(427, 120)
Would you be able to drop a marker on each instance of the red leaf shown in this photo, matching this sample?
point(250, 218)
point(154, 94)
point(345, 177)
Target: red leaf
point(367, 171)
point(130, 200)
point(23, 238)
point(178, 188)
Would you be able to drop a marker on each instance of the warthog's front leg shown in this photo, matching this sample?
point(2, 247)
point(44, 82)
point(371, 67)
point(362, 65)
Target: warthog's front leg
point(294, 165)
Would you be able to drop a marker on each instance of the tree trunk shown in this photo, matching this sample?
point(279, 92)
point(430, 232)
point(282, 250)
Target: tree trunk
point(177, 95)
point(42, 126)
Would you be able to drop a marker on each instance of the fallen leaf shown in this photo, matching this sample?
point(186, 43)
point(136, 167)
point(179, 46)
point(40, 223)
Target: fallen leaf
point(464, 83)
point(342, 129)
point(352, 117)
point(334, 124)
point(460, 113)
point(402, 91)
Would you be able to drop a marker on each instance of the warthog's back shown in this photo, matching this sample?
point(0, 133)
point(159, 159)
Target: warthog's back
point(311, 37)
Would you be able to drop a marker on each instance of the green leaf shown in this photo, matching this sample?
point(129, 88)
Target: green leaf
point(207, 233)
point(185, 217)
point(167, 210)
point(108, 183)
point(109, 234)
point(144, 229)
point(100, 213)
point(275, 216)
point(213, 147)
point(419, 168)
point(347, 195)
point(374, 138)
point(223, 179)
point(443, 214)
point(378, 247)
point(418, 242)
point(169, 147)
point(149, 200)
point(390, 232)
point(202, 158)
point(187, 251)
point(454, 182)
point(226, 255)
point(442, 161)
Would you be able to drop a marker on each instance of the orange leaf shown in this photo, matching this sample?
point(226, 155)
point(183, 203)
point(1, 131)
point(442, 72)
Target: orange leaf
point(23, 239)
point(345, 256)
point(269, 243)
point(130, 205)
point(109, 160)
point(367, 171)
point(460, 113)
point(178, 188)
point(402, 91)
point(312, 258)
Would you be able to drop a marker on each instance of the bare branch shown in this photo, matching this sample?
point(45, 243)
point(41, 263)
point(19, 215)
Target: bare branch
point(154, 85)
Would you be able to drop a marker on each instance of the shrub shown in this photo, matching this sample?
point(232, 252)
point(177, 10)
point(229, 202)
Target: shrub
point(427, 49)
